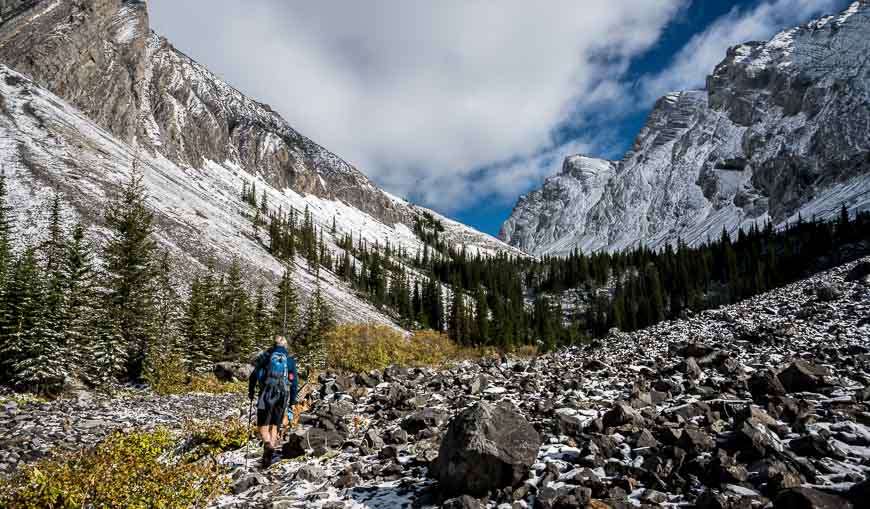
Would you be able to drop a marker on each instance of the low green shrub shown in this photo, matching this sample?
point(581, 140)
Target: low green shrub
point(126, 470)
point(215, 437)
point(211, 385)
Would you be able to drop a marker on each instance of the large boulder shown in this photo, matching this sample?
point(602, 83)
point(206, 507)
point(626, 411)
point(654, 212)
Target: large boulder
point(485, 448)
point(764, 384)
point(621, 414)
point(808, 498)
point(827, 292)
point(859, 272)
point(422, 419)
point(802, 376)
point(317, 441)
point(232, 371)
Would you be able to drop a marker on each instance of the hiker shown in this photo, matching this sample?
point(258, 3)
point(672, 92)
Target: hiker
point(277, 376)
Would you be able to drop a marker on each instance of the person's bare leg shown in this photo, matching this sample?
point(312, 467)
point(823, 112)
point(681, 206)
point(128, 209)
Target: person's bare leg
point(264, 434)
point(273, 436)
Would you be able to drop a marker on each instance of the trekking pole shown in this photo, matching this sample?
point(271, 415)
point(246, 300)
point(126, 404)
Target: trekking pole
point(248, 442)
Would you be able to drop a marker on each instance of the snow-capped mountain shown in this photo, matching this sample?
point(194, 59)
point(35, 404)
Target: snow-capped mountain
point(782, 128)
point(86, 88)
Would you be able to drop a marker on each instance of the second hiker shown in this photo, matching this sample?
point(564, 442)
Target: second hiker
point(275, 370)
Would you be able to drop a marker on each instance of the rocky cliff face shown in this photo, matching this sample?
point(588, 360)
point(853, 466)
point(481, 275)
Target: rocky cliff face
point(781, 129)
point(102, 57)
point(546, 214)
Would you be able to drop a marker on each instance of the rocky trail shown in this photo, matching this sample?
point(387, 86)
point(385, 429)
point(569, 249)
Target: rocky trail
point(759, 404)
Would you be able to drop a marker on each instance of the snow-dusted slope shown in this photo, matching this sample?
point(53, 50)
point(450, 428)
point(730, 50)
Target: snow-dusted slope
point(782, 128)
point(101, 56)
point(97, 87)
point(47, 146)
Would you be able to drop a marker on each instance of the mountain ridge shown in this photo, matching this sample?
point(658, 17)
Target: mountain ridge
point(776, 133)
point(88, 90)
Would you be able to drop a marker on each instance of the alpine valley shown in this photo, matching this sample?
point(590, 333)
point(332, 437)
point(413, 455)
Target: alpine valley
point(685, 327)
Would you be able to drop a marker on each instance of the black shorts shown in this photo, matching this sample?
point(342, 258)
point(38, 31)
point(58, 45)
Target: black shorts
point(272, 416)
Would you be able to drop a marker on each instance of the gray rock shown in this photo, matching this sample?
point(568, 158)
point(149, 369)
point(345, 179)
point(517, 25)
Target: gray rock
point(463, 502)
point(426, 418)
point(232, 371)
point(622, 414)
point(808, 498)
point(398, 436)
point(247, 482)
point(373, 439)
point(860, 271)
point(802, 376)
point(815, 446)
point(828, 292)
point(485, 447)
point(310, 473)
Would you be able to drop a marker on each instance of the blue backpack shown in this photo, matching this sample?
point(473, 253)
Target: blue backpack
point(277, 369)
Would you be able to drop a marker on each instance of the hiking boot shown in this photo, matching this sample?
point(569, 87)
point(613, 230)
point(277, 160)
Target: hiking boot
point(267, 456)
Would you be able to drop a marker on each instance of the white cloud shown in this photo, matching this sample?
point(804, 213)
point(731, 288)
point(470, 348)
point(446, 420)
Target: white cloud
point(700, 55)
point(418, 93)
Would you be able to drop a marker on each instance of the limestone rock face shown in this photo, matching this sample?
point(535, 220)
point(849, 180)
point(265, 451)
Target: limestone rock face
point(102, 57)
point(780, 129)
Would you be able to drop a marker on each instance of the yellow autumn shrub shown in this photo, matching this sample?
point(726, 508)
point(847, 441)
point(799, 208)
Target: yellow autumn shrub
point(364, 347)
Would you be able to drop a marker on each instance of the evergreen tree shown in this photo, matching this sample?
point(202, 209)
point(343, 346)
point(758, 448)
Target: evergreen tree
point(55, 303)
point(457, 322)
point(168, 312)
point(6, 260)
point(262, 321)
point(200, 344)
point(481, 318)
point(319, 319)
point(81, 291)
point(237, 317)
point(29, 356)
point(130, 256)
point(109, 353)
point(54, 248)
point(285, 313)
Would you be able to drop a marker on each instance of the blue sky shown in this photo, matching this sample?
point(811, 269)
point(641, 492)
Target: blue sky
point(464, 105)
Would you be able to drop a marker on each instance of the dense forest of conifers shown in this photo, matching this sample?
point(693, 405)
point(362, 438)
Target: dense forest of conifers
point(506, 301)
point(65, 316)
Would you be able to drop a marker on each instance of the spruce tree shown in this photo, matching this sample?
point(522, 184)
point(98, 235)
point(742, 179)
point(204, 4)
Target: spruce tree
point(81, 292)
point(200, 345)
point(54, 247)
point(319, 320)
point(6, 266)
point(168, 305)
point(130, 256)
point(165, 365)
point(481, 318)
point(30, 357)
point(55, 304)
point(262, 321)
point(237, 312)
point(456, 322)
point(285, 312)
